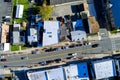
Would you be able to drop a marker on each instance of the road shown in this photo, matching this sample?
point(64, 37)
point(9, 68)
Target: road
point(36, 58)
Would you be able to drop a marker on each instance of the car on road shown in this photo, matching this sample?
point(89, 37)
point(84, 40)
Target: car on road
point(3, 59)
point(57, 60)
point(95, 45)
point(24, 58)
point(43, 63)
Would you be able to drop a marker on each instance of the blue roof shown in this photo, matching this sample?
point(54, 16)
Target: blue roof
point(116, 12)
point(79, 25)
point(83, 70)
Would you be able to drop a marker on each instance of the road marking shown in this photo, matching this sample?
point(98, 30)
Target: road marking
point(50, 56)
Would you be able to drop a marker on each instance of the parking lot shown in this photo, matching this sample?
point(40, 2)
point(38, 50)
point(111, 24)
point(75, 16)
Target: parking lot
point(5, 9)
point(66, 9)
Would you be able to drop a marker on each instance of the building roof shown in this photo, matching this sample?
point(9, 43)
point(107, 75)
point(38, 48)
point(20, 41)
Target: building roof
point(78, 25)
point(92, 11)
point(55, 74)
point(19, 11)
point(32, 38)
point(37, 75)
point(73, 73)
point(54, 2)
point(16, 27)
point(5, 33)
point(16, 37)
point(33, 31)
point(104, 69)
point(93, 25)
point(6, 46)
point(78, 35)
point(50, 35)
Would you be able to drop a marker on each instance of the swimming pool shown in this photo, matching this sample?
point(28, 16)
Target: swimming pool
point(116, 12)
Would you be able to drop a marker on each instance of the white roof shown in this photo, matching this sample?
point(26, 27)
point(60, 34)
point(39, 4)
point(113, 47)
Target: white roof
point(33, 31)
point(50, 35)
point(91, 9)
point(104, 69)
point(55, 74)
point(32, 38)
point(78, 35)
point(71, 72)
point(36, 75)
point(6, 46)
point(19, 11)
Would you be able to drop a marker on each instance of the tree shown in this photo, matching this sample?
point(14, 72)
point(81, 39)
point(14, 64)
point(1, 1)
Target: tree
point(45, 10)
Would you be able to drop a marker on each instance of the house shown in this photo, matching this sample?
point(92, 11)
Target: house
point(19, 11)
point(33, 35)
point(4, 33)
point(93, 25)
point(76, 72)
point(40, 75)
point(51, 34)
point(55, 74)
point(16, 34)
point(78, 32)
point(104, 69)
point(4, 46)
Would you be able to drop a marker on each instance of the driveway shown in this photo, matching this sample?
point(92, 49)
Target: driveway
point(5, 9)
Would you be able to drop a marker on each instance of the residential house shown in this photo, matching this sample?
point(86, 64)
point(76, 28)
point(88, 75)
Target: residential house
point(93, 25)
point(51, 33)
point(16, 34)
point(4, 33)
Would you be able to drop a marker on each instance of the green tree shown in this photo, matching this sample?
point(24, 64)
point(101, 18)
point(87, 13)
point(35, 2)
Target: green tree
point(45, 11)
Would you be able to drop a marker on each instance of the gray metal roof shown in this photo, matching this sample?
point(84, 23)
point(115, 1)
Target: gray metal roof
point(16, 37)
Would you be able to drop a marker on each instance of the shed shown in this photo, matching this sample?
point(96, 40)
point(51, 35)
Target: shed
point(19, 11)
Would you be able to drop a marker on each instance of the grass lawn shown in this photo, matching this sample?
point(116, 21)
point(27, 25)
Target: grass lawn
point(14, 47)
point(114, 31)
point(23, 47)
point(25, 13)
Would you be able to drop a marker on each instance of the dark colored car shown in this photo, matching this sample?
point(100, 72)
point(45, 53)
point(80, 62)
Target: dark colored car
point(3, 59)
point(95, 45)
point(57, 60)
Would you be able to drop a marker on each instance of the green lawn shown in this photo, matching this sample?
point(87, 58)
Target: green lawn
point(23, 47)
point(14, 47)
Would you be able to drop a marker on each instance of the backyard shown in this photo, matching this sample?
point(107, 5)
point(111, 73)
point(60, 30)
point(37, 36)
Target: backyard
point(25, 12)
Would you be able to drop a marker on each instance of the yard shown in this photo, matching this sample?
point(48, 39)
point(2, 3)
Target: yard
point(14, 47)
point(25, 12)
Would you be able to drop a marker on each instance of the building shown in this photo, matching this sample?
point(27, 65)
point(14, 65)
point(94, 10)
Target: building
point(55, 74)
point(76, 72)
point(4, 46)
point(78, 32)
point(51, 34)
point(16, 34)
point(33, 35)
point(78, 35)
point(40, 75)
point(104, 69)
point(91, 9)
point(19, 11)
point(4, 33)
point(78, 25)
point(93, 25)
point(56, 2)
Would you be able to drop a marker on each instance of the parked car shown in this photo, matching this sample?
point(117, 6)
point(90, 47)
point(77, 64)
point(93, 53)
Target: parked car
point(95, 45)
point(24, 58)
point(3, 59)
point(42, 63)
